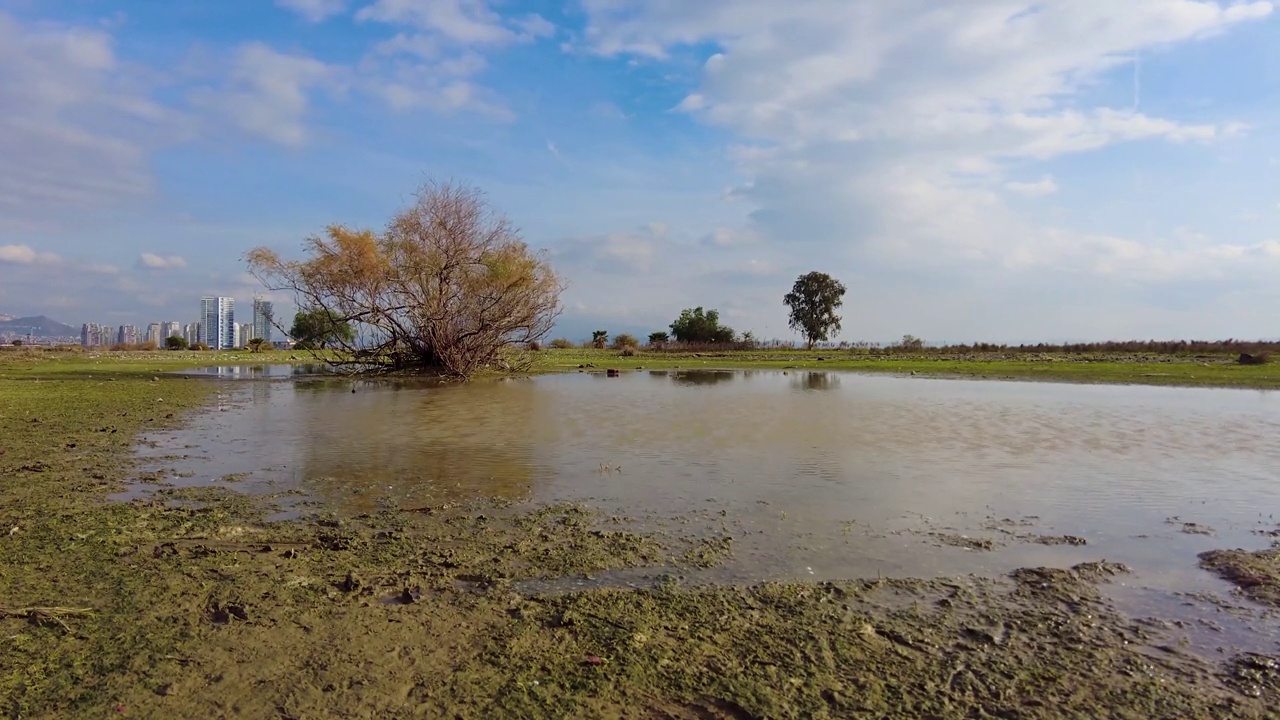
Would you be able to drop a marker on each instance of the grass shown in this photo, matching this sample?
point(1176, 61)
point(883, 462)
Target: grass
point(1124, 368)
point(149, 609)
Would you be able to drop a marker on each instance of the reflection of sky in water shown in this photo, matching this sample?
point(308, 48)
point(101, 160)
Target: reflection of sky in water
point(792, 458)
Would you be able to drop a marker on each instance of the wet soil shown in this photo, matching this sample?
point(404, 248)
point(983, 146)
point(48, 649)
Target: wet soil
point(1255, 573)
point(191, 604)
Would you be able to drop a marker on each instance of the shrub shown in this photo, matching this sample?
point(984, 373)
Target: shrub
point(628, 352)
point(624, 341)
point(17, 343)
point(200, 346)
point(911, 343)
point(698, 326)
point(1254, 358)
point(533, 346)
point(658, 340)
point(561, 344)
point(175, 342)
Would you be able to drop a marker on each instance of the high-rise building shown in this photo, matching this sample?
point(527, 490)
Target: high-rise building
point(170, 329)
point(95, 335)
point(153, 335)
point(262, 318)
point(191, 332)
point(127, 335)
point(218, 322)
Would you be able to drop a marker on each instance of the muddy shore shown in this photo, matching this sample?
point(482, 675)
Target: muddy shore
point(191, 605)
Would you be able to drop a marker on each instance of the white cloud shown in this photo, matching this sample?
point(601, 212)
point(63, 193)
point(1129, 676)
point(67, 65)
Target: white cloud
point(726, 237)
point(1038, 188)
point(884, 130)
point(102, 269)
point(268, 93)
point(152, 261)
point(314, 10)
point(465, 22)
point(76, 126)
point(25, 255)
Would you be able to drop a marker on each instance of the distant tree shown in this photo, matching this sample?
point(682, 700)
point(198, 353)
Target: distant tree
point(698, 326)
point(911, 342)
point(748, 340)
point(814, 300)
point(599, 338)
point(174, 342)
point(255, 345)
point(17, 343)
point(561, 344)
point(319, 328)
point(658, 339)
point(624, 341)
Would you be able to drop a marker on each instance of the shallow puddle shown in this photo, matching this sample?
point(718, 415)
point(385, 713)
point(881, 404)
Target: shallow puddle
point(814, 475)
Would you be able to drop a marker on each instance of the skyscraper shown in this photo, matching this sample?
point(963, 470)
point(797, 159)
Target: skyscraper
point(153, 335)
point(170, 329)
point(218, 322)
point(262, 318)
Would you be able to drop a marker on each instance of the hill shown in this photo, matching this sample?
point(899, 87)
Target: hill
point(39, 326)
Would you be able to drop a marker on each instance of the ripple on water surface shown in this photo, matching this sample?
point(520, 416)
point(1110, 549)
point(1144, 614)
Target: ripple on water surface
point(815, 474)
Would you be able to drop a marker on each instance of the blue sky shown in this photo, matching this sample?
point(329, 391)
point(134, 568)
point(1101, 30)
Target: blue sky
point(993, 169)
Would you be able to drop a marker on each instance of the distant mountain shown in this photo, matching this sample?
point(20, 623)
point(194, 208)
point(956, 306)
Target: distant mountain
point(39, 326)
point(5, 318)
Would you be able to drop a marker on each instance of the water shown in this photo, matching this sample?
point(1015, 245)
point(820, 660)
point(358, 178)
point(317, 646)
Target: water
point(816, 475)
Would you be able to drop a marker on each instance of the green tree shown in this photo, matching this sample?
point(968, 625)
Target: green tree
point(175, 342)
point(624, 341)
point(698, 326)
point(320, 328)
point(599, 338)
point(814, 300)
point(17, 343)
point(658, 339)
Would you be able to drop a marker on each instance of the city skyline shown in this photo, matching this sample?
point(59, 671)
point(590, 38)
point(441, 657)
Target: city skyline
point(216, 310)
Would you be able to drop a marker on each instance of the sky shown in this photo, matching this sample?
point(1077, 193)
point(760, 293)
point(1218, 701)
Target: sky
point(997, 170)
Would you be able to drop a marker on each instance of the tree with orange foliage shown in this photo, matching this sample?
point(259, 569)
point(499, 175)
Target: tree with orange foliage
point(445, 288)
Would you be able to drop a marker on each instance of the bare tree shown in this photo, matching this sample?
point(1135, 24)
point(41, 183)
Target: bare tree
point(445, 288)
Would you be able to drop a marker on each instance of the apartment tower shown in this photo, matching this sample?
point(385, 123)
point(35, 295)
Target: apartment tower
point(218, 322)
point(262, 318)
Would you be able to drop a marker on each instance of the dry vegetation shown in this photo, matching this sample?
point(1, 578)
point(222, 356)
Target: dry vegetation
point(445, 288)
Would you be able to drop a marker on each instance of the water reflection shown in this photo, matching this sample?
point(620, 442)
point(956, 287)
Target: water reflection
point(703, 377)
point(816, 381)
point(816, 470)
point(259, 371)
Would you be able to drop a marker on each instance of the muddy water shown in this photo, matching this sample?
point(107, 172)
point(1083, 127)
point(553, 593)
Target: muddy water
point(815, 475)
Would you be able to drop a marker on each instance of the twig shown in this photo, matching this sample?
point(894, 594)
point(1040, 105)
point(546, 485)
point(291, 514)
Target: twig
point(47, 615)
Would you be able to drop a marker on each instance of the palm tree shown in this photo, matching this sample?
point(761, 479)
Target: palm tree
point(599, 338)
point(255, 345)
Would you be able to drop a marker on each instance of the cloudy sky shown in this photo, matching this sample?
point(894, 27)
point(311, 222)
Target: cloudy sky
point(989, 169)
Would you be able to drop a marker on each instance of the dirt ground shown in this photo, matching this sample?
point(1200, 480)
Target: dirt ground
point(191, 605)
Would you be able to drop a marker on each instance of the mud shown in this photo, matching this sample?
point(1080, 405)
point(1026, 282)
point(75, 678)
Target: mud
point(1256, 573)
point(192, 604)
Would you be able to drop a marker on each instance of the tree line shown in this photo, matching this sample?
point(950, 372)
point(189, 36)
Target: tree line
point(813, 301)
